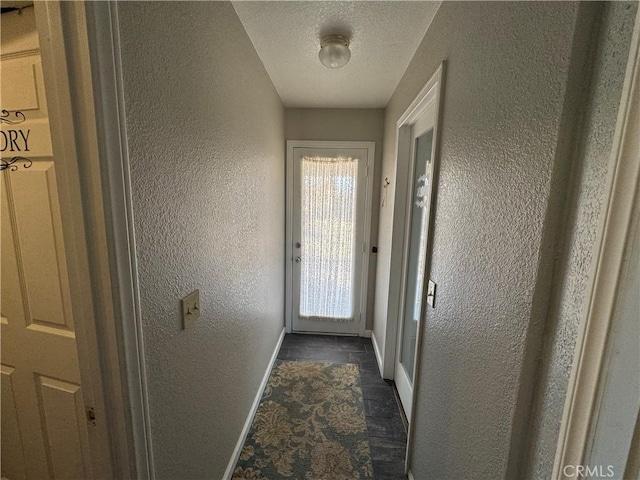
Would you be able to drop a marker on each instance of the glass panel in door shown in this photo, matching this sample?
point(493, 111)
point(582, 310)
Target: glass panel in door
point(417, 252)
point(327, 233)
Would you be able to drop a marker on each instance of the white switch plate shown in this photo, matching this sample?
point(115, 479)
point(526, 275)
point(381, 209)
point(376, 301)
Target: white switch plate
point(190, 309)
point(431, 294)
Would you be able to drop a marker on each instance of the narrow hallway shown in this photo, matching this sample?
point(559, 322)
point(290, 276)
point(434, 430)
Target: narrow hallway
point(445, 195)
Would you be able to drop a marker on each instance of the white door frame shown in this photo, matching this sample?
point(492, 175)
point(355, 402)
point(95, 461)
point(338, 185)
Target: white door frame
point(428, 103)
point(103, 36)
point(431, 92)
point(80, 48)
point(370, 147)
point(591, 353)
point(433, 87)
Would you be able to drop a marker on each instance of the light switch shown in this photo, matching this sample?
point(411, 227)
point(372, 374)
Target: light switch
point(431, 294)
point(190, 309)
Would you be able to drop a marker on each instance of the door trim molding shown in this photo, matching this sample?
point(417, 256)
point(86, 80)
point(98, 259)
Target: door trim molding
point(430, 93)
point(103, 38)
point(622, 190)
point(433, 87)
point(364, 290)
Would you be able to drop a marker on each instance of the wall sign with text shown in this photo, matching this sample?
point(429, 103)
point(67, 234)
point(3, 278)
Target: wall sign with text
point(14, 141)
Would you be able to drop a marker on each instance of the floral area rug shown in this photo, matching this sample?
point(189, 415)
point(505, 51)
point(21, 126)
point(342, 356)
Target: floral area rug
point(310, 425)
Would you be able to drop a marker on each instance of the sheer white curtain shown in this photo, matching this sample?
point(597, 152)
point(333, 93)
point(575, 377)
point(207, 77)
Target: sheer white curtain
point(328, 220)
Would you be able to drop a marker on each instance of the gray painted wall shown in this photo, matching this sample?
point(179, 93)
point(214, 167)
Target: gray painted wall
point(510, 94)
point(206, 136)
point(359, 124)
point(609, 52)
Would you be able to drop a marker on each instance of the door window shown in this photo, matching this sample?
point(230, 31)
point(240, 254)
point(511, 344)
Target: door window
point(417, 254)
point(327, 231)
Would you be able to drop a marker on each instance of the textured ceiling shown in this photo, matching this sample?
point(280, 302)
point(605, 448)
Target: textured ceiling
point(384, 36)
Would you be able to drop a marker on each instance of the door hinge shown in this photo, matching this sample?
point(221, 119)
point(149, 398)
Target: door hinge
point(91, 415)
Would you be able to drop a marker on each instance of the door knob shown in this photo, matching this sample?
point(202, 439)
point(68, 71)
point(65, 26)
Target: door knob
point(298, 259)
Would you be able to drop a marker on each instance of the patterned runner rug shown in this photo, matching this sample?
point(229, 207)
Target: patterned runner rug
point(310, 425)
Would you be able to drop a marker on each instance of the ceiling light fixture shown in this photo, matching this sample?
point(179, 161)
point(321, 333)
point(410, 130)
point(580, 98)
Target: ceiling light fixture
point(334, 51)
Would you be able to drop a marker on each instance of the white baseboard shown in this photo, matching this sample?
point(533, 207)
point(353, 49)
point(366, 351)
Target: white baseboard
point(367, 333)
point(410, 475)
point(376, 350)
point(256, 402)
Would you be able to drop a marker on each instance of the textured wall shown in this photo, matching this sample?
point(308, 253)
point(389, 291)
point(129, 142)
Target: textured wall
point(609, 56)
point(360, 124)
point(206, 145)
point(501, 170)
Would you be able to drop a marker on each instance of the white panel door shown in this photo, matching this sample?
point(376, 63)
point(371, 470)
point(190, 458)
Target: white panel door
point(43, 419)
point(44, 423)
point(329, 198)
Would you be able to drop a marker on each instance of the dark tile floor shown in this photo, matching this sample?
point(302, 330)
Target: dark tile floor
point(387, 433)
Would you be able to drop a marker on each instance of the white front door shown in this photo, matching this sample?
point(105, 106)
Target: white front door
point(44, 423)
point(415, 259)
point(328, 244)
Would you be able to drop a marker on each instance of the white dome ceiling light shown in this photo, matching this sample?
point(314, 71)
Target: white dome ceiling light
point(334, 51)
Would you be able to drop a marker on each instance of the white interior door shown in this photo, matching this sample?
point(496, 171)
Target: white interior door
point(44, 423)
point(328, 244)
point(414, 289)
